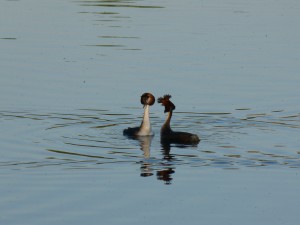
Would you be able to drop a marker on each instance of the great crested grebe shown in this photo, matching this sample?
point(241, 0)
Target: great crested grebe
point(147, 99)
point(166, 133)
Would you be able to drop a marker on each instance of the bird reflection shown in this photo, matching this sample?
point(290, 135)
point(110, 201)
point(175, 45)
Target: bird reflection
point(145, 143)
point(163, 168)
point(166, 174)
point(148, 165)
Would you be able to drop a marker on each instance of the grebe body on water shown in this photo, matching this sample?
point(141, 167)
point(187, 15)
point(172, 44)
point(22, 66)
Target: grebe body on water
point(166, 133)
point(147, 99)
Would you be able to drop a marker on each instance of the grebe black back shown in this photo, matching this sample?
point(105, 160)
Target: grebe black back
point(166, 133)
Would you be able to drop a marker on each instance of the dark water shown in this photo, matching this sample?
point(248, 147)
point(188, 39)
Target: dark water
point(71, 76)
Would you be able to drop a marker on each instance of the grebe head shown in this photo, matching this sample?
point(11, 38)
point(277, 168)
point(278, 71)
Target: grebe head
point(165, 101)
point(147, 99)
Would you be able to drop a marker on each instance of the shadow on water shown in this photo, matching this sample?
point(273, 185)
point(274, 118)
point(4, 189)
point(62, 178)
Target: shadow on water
point(93, 139)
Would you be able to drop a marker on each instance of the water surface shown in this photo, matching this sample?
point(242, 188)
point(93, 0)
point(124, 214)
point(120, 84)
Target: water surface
point(72, 73)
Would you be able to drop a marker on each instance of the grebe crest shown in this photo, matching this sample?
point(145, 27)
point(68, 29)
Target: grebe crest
point(147, 99)
point(166, 133)
point(165, 101)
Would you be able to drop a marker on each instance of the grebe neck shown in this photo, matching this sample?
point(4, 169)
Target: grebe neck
point(166, 128)
point(145, 128)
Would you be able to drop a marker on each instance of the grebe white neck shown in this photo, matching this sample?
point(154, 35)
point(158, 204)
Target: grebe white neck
point(145, 128)
point(166, 128)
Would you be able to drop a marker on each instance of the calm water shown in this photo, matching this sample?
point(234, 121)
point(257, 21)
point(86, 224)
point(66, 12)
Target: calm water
point(72, 73)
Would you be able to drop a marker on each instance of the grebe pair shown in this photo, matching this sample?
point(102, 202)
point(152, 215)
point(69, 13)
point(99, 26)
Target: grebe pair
point(166, 133)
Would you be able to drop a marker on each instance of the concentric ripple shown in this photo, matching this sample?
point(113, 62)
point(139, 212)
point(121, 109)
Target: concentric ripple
point(92, 139)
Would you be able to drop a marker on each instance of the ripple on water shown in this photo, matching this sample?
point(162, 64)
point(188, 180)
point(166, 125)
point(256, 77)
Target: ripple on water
point(92, 138)
point(118, 4)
